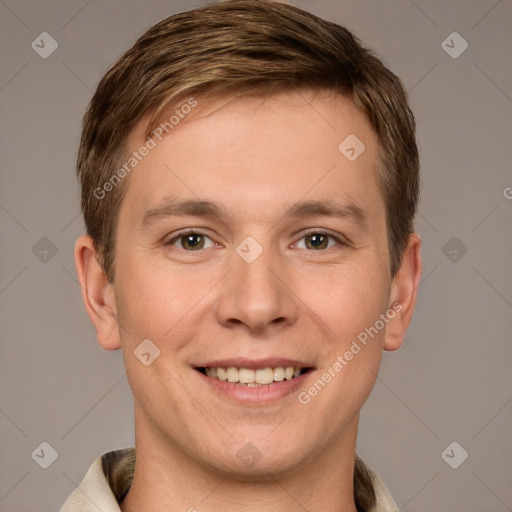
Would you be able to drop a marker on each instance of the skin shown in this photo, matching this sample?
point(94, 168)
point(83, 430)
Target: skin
point(257, 157)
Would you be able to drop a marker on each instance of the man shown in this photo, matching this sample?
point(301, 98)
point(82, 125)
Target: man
point(249, 181)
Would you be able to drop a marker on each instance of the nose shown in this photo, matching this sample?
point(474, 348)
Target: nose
point(257, 296)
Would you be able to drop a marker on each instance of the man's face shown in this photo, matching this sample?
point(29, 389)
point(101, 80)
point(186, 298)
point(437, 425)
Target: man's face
point(196, 285)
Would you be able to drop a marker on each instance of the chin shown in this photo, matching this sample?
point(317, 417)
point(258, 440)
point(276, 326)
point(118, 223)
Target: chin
point(262, 456)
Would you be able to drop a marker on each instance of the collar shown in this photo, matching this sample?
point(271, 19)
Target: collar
point(108, 480)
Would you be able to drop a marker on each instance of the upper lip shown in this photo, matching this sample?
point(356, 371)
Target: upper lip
point(242, 362)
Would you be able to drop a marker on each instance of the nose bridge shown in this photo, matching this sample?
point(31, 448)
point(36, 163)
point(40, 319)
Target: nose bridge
point(255, 294)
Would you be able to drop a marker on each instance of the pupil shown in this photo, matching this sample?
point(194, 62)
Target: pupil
point(317, 240)
point(193, 241)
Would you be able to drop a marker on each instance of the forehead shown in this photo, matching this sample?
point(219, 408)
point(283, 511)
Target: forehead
point(253, 152)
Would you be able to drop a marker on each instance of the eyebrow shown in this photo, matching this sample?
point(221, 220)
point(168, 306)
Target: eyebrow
point(171, 207)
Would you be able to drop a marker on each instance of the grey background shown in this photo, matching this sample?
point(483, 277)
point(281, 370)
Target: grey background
point(450, 382)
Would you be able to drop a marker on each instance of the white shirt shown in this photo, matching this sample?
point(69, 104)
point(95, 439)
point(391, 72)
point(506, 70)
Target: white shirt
point(116, 468)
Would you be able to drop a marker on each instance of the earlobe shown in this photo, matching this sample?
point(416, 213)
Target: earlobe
point(404, 289)
point(97, 293)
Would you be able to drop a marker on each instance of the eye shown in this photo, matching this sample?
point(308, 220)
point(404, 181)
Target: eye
point(191, 240)
point(316, 240)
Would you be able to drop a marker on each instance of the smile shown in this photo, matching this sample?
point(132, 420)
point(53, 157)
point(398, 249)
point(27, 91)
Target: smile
point(253, 377)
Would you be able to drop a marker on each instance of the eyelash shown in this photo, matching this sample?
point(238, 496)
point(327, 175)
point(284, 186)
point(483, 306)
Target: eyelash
point(192, 231)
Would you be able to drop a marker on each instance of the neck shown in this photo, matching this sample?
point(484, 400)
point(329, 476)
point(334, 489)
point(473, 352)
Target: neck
point(168, 479)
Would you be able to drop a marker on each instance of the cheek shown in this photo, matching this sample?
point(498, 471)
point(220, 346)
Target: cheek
point(162, 303)
point(154, 306)
point(350, 308)
point(148, 304)
point(348, 299)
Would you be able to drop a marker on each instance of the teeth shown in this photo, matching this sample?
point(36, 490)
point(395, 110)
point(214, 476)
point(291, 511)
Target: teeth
point(245, 376)
point(264, 375)
point(279, 374)
point(232, 374)
point(253, 378)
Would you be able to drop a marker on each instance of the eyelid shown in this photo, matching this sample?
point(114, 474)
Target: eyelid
point(338, 237)
point(187, 231)
point(341, 239)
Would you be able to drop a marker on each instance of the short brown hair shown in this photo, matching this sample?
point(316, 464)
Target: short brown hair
point(243, 47)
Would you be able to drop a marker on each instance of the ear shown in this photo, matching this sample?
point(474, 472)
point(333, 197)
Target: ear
point(404, 289)
point(97, 293)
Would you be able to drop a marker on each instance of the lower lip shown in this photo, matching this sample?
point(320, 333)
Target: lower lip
point(257, 394)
